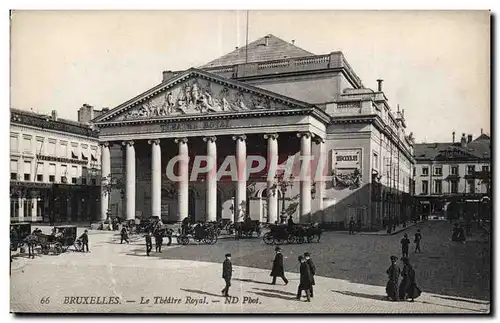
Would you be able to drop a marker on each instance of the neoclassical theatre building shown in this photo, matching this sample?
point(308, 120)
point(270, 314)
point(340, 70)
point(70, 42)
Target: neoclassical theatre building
point(269, 99)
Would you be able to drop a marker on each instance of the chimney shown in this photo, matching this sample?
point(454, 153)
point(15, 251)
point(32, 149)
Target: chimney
point(236, 47)
point(267, 40)
point(463, 141)
point(167, 75)
point(481, 130)
point(453, 134)
point(293, 41)
point(469, 138)
point(54, 115)
point(379, 81)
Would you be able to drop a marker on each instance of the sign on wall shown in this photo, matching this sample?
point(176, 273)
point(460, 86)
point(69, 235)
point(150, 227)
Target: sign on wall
point(346, 168)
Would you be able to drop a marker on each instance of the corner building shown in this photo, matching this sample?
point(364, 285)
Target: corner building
point(270, 99)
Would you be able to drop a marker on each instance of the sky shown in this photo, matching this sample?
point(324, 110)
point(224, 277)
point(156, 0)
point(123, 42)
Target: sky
point(435, 64)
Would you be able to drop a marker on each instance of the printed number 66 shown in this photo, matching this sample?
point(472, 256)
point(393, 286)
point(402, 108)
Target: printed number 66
point(45, 300)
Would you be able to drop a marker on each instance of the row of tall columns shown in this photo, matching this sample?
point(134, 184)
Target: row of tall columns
point(211, 180)
point(272, 191)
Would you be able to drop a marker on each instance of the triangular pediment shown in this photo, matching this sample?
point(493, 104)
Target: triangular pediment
point(196, 92)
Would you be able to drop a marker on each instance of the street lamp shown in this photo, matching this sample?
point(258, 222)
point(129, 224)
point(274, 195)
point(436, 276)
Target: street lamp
point(284, 184)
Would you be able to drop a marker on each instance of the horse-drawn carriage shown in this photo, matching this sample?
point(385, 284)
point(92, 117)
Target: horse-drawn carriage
point(60, 240)
point(206, 232)
point(18, 234)
point(298, 233)
point(247, 228)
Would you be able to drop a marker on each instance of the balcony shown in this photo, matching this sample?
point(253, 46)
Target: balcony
point(62, 159)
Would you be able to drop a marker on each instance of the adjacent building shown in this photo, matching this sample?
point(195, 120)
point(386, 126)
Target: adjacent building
point(54, 169)
point(272, 99)
point(453, 179)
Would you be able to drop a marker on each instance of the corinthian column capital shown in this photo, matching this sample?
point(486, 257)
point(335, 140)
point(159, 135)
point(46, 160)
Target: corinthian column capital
point(154, 141)
point(240, 137)
point(209, 139)
point(105, 144)
point(272, 136)
point(183, 140)
point(128, 143)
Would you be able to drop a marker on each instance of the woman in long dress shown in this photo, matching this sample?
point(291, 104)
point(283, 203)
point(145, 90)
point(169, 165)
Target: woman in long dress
point(392, 284)
point(408, 288)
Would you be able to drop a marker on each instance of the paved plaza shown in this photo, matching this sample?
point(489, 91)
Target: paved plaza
point(117, 278)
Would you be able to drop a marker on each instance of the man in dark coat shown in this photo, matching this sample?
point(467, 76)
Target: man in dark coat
point(123, 235)
point(352, 224)
point(85, 241)
point(278, 269)
point(392, 284)
point(227, 273)
point(305, 279)
point(312, 268)
point(418, 238)
point(149, 243)
point(408, 288)
point(405, 245)
point(158, 240)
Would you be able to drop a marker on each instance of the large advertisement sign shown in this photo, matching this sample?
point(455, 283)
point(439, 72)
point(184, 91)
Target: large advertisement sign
point(346, 168)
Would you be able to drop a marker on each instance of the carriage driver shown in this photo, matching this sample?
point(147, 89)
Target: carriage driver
point(185, 224)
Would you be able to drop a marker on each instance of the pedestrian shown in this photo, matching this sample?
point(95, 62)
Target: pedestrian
point(31, 241)
point(418, 238)
point(124, 235)
point(408, 288)
point(227, 273)
point(312, 268)
point(158, 240)
point(352, 224)
point(391, 288)
point(305, 279)
point(405, 244)
point(85, 241)
point(149, 244)
point(278, 269)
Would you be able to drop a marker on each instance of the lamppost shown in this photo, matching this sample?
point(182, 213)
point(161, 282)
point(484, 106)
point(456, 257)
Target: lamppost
point(283, 184)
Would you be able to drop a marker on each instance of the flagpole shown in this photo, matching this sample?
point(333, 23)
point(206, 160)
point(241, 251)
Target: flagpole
point(246, 45)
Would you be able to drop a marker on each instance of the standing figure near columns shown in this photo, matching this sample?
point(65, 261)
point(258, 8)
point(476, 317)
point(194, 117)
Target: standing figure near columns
point(211, 197)
point(183, 187)
point(241, 186)
point(130, 179)
point(155, 177)
point(305, 176)
point(272, 162)
point(105, 179)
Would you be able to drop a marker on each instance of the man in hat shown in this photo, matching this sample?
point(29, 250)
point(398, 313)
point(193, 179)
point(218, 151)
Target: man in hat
point(391, 287)
point(305, 279)
point(418, 238)
point(278, 269)
point(149, 243)
point(405, 245)
point(227, 273)
point(312, 268)
point(352, 224)
point(85, 241)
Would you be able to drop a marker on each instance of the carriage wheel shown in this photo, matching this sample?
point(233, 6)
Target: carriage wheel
point(183, 240)
point(58, 249)
point(300, 239)
point(45, 249)
point(278, 241)
point(211, 239)
point(291, 239)
point(218, 231)
point(268, 239)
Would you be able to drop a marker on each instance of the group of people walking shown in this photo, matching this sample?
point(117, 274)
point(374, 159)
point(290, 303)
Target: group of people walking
point(307, 272)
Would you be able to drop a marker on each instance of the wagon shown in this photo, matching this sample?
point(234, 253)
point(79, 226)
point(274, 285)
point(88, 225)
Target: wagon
point(18, 233)
point(201, 232)
point(280, 234)
point(68, 237)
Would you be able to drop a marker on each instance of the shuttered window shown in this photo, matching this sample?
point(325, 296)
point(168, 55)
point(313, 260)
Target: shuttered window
point(27, 171)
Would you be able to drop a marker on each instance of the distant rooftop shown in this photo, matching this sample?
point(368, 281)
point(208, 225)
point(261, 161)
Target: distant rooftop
point(480, 148)
point(267, 48)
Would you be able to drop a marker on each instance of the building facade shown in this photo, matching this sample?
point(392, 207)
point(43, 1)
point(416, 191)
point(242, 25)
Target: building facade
point(54, 169)
point(454, 179)
point(270, 99)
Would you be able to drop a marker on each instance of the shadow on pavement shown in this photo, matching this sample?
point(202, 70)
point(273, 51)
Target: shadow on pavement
point(461, 300)
point(252, 281)
point(458, 307)
point(201, 292)
point(368, 296)
point(275, 291)
point(274, 296)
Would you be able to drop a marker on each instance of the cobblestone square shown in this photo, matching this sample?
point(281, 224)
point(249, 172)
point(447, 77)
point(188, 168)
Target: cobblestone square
point(117, 278)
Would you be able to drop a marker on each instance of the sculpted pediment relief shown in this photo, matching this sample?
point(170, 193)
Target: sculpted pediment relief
point(199, 96)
